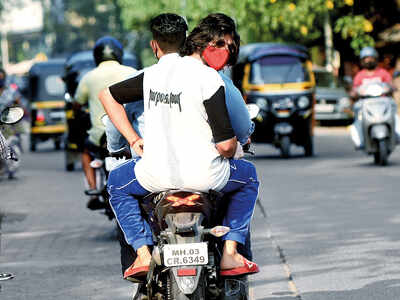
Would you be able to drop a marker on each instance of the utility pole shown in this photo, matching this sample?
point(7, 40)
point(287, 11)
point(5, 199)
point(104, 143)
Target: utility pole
point(4, 49)
point(328, 42)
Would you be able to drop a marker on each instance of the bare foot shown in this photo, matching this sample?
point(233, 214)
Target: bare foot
point(144, 257)
point(231, 261)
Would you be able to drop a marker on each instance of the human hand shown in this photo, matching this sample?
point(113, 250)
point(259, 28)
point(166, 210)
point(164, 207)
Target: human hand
point(137, 146)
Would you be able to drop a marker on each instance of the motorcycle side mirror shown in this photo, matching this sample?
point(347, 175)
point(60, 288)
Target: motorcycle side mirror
point(11, 115)
point(253, 110)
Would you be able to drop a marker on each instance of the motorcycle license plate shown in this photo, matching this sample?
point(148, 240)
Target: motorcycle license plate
point(185, 254)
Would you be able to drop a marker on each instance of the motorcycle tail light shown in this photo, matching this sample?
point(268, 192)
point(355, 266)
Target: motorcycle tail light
point(40, 117)
point(187, 272)
point(188, 200)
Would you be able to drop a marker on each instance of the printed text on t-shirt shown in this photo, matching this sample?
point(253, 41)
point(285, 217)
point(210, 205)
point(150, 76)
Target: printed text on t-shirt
point(158, 97)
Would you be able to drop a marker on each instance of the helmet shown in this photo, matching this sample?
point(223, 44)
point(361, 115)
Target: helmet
point(107, 48)
point(368, 51)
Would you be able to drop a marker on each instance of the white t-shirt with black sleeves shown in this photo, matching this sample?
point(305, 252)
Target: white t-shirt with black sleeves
point(185, 116)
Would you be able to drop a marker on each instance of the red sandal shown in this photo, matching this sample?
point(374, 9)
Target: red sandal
point(135, 273)
point(248, 268)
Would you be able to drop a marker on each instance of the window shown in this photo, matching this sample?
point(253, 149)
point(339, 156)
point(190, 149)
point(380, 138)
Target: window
point(278, 69)
point(326, 80)
point(54, 85)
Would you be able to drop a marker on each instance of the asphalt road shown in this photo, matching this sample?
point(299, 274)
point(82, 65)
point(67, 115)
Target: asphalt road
point(331, 230)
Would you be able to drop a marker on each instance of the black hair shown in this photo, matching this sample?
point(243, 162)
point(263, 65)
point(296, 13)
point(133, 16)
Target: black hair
point(210, 28)
point(169, 30)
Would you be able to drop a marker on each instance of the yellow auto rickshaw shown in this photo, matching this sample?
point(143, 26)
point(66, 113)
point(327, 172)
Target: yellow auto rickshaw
point(46, 95)
point(279, 79)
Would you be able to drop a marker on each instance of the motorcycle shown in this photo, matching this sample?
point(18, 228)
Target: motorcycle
point(188, 249)
point(10, 146)
point(375, 118)
point(187, 253)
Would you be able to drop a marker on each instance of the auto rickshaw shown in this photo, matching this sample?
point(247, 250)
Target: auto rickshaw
point(46, 96)
point(279, 79)
point(78, 121)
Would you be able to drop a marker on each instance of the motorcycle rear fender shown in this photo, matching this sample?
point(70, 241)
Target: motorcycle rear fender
point(187, 284)
point(183, 228)
point(379, 131)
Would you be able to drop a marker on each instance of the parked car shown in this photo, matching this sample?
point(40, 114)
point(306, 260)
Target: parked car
point(332, 100)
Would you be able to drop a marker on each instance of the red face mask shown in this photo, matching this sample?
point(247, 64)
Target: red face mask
point(216, 58)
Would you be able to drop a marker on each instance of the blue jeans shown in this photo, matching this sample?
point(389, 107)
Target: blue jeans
point(134, 111)
point(124, 190)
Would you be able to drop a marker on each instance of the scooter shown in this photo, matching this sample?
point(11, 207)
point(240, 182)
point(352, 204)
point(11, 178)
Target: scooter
point(376, 121)
point(10, 148)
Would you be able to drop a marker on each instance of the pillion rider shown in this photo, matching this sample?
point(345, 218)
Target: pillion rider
point(199, 117)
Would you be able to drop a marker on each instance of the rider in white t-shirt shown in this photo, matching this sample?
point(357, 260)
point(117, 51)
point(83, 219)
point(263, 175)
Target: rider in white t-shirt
point(188, 138)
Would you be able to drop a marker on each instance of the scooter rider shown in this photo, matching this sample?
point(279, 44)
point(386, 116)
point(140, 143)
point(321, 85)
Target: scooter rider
point(107, 53)
point(183, 96)
point(370, 73)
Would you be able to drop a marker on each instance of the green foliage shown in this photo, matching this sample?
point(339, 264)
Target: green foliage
point(298, 21)
point(355, 28)
point(75, 24)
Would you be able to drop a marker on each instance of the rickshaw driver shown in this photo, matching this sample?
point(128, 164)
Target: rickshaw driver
point(107, 53)
point(196, 102)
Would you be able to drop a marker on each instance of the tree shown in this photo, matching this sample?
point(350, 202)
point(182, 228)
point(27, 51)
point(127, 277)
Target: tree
point(299, 21)
point(75, 25)
point(263, 20)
